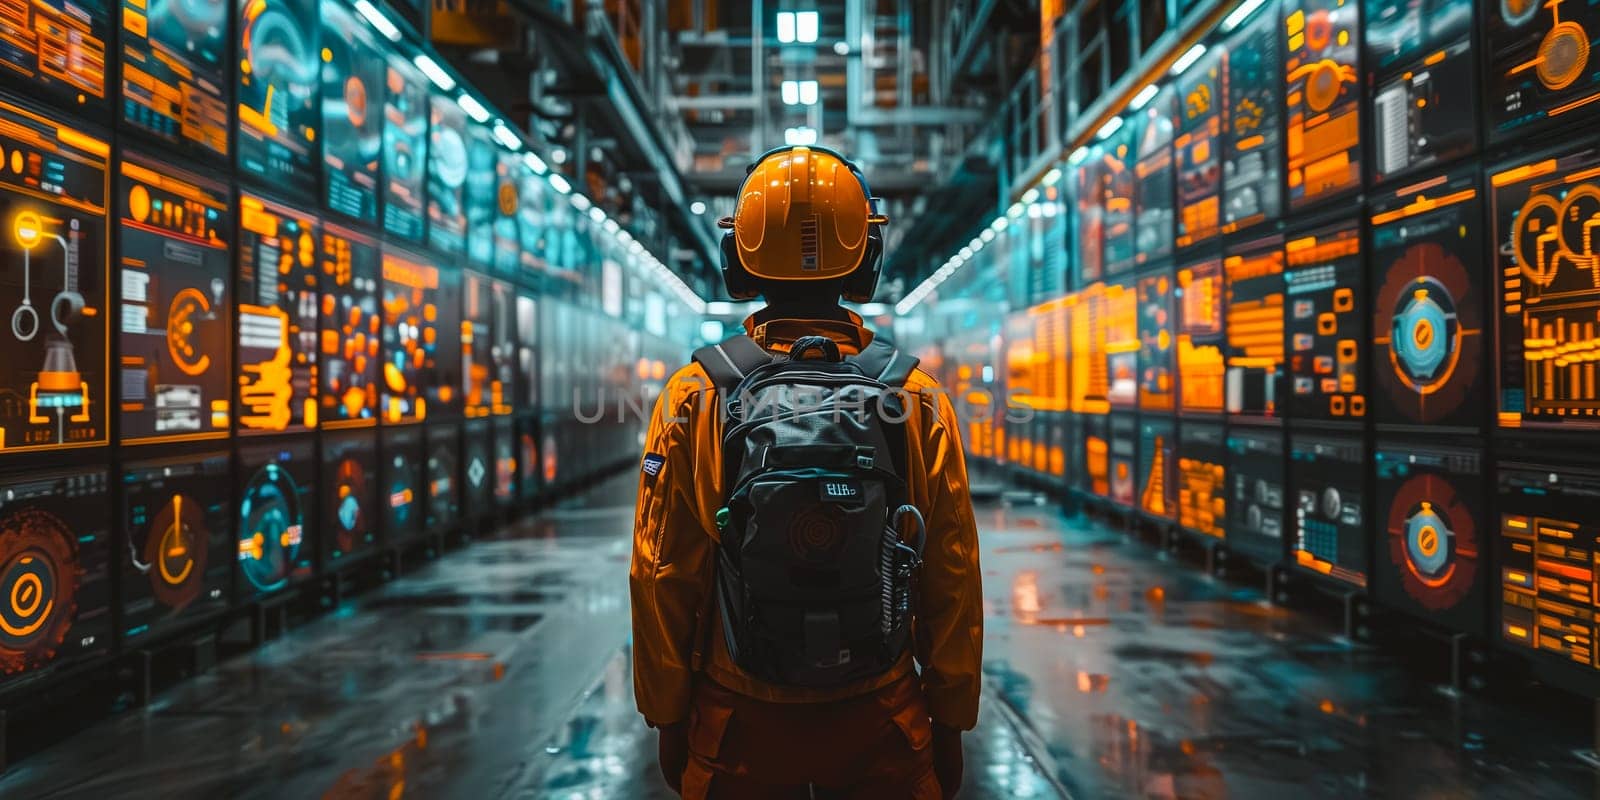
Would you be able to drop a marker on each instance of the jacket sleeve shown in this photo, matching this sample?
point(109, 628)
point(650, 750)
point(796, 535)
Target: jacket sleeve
point(669, 578)
point(949, 616)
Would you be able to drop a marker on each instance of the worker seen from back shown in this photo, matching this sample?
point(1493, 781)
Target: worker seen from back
point(807, 607)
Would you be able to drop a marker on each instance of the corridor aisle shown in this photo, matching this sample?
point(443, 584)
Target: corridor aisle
point(502, 671)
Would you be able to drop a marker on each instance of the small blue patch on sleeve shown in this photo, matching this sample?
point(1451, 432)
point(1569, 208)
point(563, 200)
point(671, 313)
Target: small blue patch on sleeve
point(652, 464)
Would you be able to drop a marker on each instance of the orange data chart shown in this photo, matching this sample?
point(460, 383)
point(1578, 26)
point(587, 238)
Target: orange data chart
point(1544, 213)
point(174, 316)
point(1120, 317)
point(1201, 106)
point(1253, 276)
point(54, 331)
point(1202, 479)
point(1323, 92)
point(349, 362)
point(1157, 346)
point(1547, 550)
point(1201, 364)
point(277, 318)
point(56, 49)
point(1540, 64)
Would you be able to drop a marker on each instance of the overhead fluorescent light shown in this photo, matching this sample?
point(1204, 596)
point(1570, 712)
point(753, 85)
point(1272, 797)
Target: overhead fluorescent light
point(1112, 126)
point(435, 73)
point(987, 235)
point(1237, 16)
point(806, 24)
point(559, 182)
point(597, 214)
point(580, 202)
point(535, 163)
point(697, 208)
point(719, 308)
point(1144, 96)
point(786, 27)
point(1016, 210)
point(1078, 156)
point(378, 19)
point(473, 108)
point(999, 224)
point(1030, 195)
point(1188, 58)
point(506, 136)
point(874, 309)
point(808, 93)
point(790, 92)
point(611, 226)
point(802, 135)
point(1052, 177)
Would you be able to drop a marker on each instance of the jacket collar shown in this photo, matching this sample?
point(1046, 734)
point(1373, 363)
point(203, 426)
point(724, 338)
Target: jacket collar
point(779, 334)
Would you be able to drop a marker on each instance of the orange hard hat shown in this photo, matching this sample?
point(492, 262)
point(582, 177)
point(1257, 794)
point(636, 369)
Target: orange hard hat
point(804, 214)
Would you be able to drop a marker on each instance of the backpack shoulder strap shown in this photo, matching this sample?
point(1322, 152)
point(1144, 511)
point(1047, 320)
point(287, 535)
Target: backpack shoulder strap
point(727, 362)
point(882, 360)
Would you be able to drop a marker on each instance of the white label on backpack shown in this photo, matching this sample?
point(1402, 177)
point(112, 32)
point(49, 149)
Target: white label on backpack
point(652, 464)
point(839, 490)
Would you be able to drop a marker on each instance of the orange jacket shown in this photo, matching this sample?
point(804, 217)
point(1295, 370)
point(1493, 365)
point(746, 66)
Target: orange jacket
point(674, 533)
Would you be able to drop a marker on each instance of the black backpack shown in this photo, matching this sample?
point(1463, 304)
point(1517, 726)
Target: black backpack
point(813, 574)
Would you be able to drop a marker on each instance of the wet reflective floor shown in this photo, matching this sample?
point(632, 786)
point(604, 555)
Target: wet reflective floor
point(502, 671)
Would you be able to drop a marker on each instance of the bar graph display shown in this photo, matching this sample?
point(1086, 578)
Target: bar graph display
point(1201, 104)
point(1544, 212)
point(1202, 367)
point(1202, 479)
point(1158, 468)
point(1253, 276)
point(1547, 551)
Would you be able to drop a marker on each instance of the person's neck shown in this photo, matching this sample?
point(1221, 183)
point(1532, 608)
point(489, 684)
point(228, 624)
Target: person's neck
point(795, 309)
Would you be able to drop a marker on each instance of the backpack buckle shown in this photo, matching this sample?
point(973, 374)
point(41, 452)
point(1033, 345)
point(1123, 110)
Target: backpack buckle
point(865, 458)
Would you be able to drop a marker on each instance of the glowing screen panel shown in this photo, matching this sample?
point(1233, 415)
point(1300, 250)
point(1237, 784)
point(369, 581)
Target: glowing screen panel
point(276, 524)
point(401, 491)
point(1544, 212)
point(1421, 117)
point(53, 278)
point(174, 81)
point(1097, 456)
point(1255, 495)
point(277, 317)
point(1124, 450)
point(1253, 275)
point(1325, 478)
point(56, 49)
point(1157, 368)
point(1428, 304)
point(1120, 316)
point(1432, 505)
point(1091, 380)
point(506, 228)
point(1118, 208)
point(1091, 219)
point(176, 565)
point(481, 195)
point(1323, 99)
point(1201, 365)
point(1326, 324)
point(55, 569)
point(528, 460)
point(487, 348)
point(1201, 98)
point(173, 324)
point(540, 213)
point(349, 495)
point(352, 112)
point(505, 462)
point(1548, 550)
point(405, 148)
point(1540, 63)
point(1400, 33)
point(1252, 172)
point(279, 79)
point(477, 469)
point(349, 363)
point(1158, 468)
point(1154, 178)
point(442, 471)
point(421, 332)
point(1202, 479)
point(527, 393)
point(449, 161)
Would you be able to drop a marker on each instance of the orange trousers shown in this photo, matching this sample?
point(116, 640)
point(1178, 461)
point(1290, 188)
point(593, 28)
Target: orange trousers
point(878, 745)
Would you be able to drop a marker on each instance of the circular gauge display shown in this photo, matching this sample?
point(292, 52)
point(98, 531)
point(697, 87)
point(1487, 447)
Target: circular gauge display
point(39, 576)
point(1432, 541)
point(174, 557)
point(270, 530)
